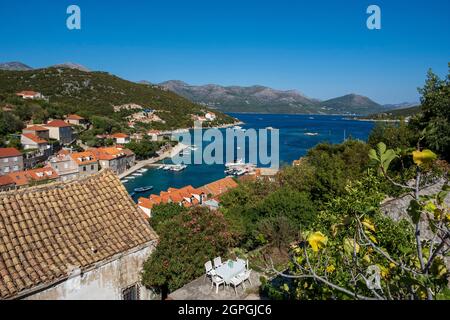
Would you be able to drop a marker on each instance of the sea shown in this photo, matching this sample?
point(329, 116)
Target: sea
point(297, 134)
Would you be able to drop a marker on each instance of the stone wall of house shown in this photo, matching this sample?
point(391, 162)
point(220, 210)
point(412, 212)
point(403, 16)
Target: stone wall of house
point(106, 282)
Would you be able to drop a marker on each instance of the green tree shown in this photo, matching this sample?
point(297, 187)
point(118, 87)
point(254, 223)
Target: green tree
point(187, 241)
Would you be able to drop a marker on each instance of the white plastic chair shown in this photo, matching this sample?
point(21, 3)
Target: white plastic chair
point(208, 268)
point(235, 282)
point(217, 281)
point(217, 262)
point(245, 276)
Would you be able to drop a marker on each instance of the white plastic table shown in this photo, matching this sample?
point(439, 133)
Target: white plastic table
point(227, 273)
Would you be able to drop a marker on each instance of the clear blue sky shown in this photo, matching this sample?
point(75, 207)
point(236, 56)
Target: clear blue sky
point(321, 48)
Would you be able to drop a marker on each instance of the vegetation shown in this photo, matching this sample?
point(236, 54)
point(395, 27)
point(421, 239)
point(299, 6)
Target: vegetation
point(93, 94)
point(187, 240)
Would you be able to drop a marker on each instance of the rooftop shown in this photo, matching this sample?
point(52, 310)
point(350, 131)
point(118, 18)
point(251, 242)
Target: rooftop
point(74, 117)
point(48, 230)
point(58, 124)
point(9, 152)
point(35, 128)
point(34, 138)
point(85, 157)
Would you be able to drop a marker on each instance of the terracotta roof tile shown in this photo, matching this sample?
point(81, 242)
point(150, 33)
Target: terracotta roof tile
point(34, 138)
point(46, 229)
point(85, 157)
point(58, 124)
point(219, 187)
point(9, 152)
point(35, 128)
point(74, 117)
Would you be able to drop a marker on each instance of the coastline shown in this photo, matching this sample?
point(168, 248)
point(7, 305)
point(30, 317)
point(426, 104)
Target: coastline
point(152, 161)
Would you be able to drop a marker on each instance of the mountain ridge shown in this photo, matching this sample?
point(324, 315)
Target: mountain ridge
point(263, 99)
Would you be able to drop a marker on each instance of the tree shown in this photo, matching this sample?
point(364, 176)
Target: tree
point(434, 121)
point(187, 241)
point(164, 212)
point(351, 240)
point(9, 123)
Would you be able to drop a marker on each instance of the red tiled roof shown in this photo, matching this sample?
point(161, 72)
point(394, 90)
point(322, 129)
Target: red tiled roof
point(20, 178)
point(9, 152)
point(58, 124)
point(27, 93)
point(86, 157)
point(109, 153)
point(120, 135)
point(219, 187)
point(74, 117)
point(34, 138)
point(6, 181)
point(36, 128)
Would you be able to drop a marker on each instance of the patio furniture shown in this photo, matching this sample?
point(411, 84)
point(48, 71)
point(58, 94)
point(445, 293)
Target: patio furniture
point(230, 269)
point(208, 268)
point(245, 276)
point(217, 281)
point(217, 262)
point(235, 282)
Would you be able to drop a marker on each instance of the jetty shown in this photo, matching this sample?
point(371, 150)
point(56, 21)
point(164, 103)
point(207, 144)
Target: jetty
point(152, 162)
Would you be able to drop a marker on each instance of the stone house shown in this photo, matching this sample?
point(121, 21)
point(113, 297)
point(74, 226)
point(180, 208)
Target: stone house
point(66, 167)
point(79, 240)
point(86, 161)
point(77, 120)
point(11, 160)
point(60, 130)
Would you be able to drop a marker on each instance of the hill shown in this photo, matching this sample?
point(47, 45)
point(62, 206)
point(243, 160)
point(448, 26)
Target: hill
point(395, 114)
point(96, 93)
point(261, 99)
point(352, 103)
point(14, 66)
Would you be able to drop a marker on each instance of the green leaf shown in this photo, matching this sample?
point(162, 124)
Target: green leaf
point(414, 211)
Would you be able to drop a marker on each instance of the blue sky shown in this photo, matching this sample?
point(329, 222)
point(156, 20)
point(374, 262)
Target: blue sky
point(321, 48)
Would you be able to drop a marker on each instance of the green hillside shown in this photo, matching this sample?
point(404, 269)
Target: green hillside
point(395, 114)
point(95, 93)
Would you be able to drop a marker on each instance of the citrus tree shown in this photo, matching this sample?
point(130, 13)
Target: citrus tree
point(354, 251)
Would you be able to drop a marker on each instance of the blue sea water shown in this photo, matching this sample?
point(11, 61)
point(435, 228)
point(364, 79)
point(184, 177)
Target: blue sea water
point(294, 143)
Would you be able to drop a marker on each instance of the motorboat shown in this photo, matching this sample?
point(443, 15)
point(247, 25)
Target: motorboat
point(143, 189)
point(311, 134)
point(178, 167)
point(238, 162)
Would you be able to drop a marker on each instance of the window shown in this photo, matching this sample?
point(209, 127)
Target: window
point(84, 168)
point(6, 169)
point(6, 160)
point(131, 293)
point(16, 168)
point(92, 167)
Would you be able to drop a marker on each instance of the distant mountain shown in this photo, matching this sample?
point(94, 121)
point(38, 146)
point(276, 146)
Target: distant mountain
point(14, 66)
point(402, 105)
point(352, 103)
point(71, 65)
point(260, 99)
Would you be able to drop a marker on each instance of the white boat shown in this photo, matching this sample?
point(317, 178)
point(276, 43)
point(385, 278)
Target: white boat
point(270, 128)
point(311, 134)
point(131, 177)
point(238, 162)
point(178, 167)
point(137, 174)
point(124, 180)
point(143, 170)
point(161, 167)
point(237, 128)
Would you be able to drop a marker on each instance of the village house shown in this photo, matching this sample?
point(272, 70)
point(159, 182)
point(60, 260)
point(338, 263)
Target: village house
point(37, 150)
point(6, 183)
point(207, 196)
point(64, 165)
point(77, 120)
point(86, 161)
point(38, 131)
point(129, 156)
point(155, 135)
point(210, 116)
point(79, 240)
point(121, 138)
point(111, 158)
point(11, 160)
point(31, 141)
point(60, 130)
point(186, 196)
point(33, 176)
point(32, 95)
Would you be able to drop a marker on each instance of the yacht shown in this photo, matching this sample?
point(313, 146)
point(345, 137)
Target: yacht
point(178, 167)
point(311, 134)
point(238, 162)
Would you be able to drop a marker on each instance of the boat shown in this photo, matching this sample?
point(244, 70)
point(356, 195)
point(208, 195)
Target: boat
point(137, 174)
point(143, 189)
point(161, 167)
point(238, 162)
point(270, 128)
point(311, 134)
point(143, 170)
point(131, 177)
point(124, 180)
point(178, 167)
point(166, 167)
point(311, 118)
